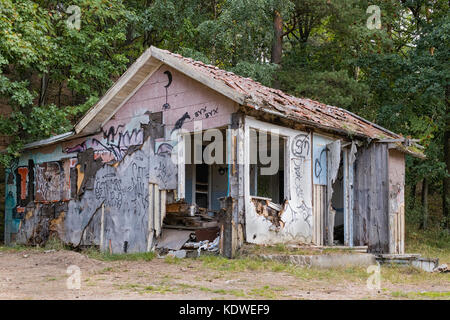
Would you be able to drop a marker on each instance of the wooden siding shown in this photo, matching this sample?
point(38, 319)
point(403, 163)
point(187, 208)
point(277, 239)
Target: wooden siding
point(320, 209)
point(371, 220)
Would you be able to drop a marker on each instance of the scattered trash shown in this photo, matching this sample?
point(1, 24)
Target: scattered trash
point(205, 245)
point(25, 255)
point(180, 254)
point(209, 246)
point(48, 251)
point(443, 268)
point(231, 281)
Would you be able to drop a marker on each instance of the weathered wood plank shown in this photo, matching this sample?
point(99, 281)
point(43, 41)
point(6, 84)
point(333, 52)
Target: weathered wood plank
point(371, 224)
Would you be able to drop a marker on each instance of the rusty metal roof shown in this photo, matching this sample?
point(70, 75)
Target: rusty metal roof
point(301, 109)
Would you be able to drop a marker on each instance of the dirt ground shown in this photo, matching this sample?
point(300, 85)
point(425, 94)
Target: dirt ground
point(37, 274)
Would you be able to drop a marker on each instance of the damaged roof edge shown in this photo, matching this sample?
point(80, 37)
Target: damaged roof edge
point(398, 144)
point(49, 141)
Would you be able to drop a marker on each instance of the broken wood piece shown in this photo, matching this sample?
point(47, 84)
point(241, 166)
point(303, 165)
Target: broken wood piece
point(177, 208)
point(173, 239)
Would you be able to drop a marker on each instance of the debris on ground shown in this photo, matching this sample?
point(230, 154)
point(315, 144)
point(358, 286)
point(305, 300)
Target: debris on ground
point(443, 268)
point(188, 230)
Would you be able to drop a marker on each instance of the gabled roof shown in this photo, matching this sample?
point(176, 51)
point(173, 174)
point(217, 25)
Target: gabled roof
point(244, 91)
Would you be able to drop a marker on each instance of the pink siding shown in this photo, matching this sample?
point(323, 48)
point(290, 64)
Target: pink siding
point(188, 99)
point(183, 95)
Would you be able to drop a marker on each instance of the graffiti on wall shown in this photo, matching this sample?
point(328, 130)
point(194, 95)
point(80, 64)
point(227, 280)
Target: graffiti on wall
point(206, 113)
point(300, 145)
point(139, 178)
point(320, 159)
point(179, 123)
point(300, 148)
point(110, 170)
point(108, 189)
point(49, 181)
point(116, 141)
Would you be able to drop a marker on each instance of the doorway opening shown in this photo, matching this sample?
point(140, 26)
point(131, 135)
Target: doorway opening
point(337, 205)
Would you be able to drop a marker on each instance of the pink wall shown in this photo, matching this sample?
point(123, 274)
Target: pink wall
point(187, 99)
point(183, 95)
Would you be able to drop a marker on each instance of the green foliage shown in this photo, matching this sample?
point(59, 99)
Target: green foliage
point(263, 73)
point(334, 88)
point(50, 73)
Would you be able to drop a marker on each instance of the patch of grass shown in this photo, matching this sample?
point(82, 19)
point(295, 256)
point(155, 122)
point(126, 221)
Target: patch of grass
point(54, 243)
point(422, 295)
point(397, 274)
point(127, 286)
point(185, 286)
point(389, 273)
point(233, 265)
point(93, 253)
point(433, 243)
point(247, 264)
point(172, 260)
point(159, 289)
point(265, 292)
point(399, 294)
point(232, 292)
point(51, 244)
point(286, 249)
point(106, 270)
point(19, 247)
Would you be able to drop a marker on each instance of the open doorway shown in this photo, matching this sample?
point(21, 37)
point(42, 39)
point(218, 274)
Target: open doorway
point(206, 183)
point(337, 204)
point(191, 221)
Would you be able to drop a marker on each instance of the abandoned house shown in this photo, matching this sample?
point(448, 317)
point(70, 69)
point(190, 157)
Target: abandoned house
point(128, 177)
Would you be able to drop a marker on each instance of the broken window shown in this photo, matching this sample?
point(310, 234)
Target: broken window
point(267, 165)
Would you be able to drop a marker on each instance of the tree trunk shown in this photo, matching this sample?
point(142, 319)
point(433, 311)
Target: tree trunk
point(446, 182)
point(277, 44)
point(424, 223)
point(44, 85)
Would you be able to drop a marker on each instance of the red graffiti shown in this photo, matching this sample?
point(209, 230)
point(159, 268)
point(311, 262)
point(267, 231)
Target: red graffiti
point(23, 172)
